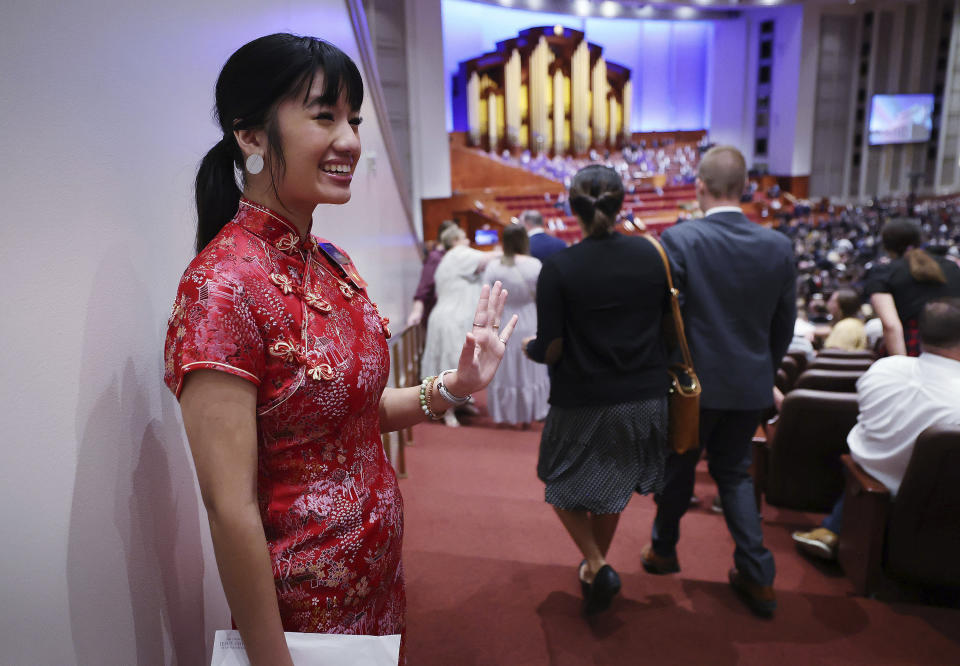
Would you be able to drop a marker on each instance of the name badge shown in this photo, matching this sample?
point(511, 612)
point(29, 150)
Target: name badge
point(333, 253)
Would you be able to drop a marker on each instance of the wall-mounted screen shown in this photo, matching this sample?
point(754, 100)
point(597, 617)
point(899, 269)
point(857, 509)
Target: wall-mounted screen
point(486, 237)
point(900, 119)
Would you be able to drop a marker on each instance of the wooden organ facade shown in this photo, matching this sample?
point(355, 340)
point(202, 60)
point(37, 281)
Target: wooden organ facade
point(548, 90)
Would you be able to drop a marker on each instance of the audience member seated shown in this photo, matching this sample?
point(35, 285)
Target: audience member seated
point(542, 244)
point(899, 397)
point(803, 334)
point(848, 332)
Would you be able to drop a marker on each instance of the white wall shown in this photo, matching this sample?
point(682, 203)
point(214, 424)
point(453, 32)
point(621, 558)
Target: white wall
point(106, 113)
point(429, 91)
point(730, 117)
point(795, 43)
point(802, 163)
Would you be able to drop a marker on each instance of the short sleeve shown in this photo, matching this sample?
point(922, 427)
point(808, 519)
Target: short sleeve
point(212, 327)
point(877, 280)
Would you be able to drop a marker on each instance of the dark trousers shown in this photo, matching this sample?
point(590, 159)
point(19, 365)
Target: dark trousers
point(834, 522)
point(727, 436)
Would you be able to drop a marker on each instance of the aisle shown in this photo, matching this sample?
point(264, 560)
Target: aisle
point(491, 579)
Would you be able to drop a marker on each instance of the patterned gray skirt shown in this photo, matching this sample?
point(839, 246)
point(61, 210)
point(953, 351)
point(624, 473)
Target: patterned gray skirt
point(595, 458)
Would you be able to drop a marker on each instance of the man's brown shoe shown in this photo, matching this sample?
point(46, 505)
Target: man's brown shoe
point(820, 542)
point(760, 599)
point(655, 564)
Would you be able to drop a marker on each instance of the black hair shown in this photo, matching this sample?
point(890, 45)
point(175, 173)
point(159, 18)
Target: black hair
point(254, 80)
point(596, 196)
point(901, 236)
point(940, 323)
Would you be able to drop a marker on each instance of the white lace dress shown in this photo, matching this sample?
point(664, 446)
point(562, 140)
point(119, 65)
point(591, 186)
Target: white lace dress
point(521, 388)
point(458, 290)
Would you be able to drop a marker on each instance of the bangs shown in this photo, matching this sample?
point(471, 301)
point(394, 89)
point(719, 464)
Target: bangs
point(341, 78)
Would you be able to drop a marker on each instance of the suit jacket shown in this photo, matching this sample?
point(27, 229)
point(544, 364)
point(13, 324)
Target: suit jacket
point(543, 245)
point(738, 285)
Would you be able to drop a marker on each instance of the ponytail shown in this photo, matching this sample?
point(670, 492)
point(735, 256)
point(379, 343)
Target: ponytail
point(596, 196)
point(923, 267)
point(217, 193)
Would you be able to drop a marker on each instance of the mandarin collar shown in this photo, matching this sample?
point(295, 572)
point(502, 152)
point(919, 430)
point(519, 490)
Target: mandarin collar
point(272, 227)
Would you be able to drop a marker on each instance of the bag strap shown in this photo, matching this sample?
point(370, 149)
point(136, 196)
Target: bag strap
point(674, 302)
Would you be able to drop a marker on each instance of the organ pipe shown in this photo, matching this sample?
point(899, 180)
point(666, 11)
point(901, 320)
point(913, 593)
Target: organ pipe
point(539, 67)
point(614, 121)
point(627, 108)
point(600, 101)
point(511, 90)
point(473, 108)
point(580, 91)
point(520, 96)
point(559, 140)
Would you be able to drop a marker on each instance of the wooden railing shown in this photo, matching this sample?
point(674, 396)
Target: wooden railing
point(406, 350)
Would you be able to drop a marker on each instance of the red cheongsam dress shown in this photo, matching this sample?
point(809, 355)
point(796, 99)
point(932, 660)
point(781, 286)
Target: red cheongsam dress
point(269, 307)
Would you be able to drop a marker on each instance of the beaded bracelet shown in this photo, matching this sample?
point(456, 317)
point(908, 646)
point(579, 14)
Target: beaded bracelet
point(425, 399)
point(455, 400)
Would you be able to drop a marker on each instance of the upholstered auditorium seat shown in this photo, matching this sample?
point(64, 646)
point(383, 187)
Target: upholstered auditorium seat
point(829, 380)
point(782, 381)
point(798, 465)
point(800, 357)
point(848, 355)
point(828, 363)
point(792, 369)
point(914, 539)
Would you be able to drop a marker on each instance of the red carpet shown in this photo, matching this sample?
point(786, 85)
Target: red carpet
point(491, 579)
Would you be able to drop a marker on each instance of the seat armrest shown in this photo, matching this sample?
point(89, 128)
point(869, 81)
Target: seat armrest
point(771, 428)
point(861, 480)
point(866, 506)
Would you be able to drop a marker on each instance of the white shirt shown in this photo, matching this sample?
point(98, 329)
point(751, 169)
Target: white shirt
point(535, 231)
point(723, 209)
point(900, 397)
point(874, 331)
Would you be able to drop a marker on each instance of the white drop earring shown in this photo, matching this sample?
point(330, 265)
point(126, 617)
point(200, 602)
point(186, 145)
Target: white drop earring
point(254, 164)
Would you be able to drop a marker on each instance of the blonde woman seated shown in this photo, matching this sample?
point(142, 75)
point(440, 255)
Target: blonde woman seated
point(519, 392)
point(848, 332)
point(458, 284)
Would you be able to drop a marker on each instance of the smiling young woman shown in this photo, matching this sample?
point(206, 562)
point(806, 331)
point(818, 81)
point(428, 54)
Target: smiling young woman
point(279, 359)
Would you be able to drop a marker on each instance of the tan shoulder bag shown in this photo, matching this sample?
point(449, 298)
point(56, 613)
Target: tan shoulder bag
point(683, 398)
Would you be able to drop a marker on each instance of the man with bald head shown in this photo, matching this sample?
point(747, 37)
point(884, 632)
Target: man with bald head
point(738, 285)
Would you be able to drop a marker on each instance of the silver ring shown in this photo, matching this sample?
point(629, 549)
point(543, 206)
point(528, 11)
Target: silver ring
point(476, 325)
point(502, 340)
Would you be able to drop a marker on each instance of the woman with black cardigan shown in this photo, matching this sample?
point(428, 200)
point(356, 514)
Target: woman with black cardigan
point(599, 309)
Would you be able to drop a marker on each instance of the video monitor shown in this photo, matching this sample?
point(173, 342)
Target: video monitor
point(486, 237)
point(900, 119)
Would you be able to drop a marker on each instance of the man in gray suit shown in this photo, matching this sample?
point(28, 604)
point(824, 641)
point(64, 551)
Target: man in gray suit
point(738, 284)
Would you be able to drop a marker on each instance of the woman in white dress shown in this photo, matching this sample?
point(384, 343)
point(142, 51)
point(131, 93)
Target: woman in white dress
point(457, 285)
point(519, 392)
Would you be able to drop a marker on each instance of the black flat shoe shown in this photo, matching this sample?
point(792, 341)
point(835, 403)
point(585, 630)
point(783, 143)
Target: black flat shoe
point(605, 586)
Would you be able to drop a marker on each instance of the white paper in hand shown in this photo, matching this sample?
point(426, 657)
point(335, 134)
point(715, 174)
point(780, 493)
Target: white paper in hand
point(315, 649)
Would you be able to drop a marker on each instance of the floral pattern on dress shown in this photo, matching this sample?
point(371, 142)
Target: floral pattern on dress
point(254, 303)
